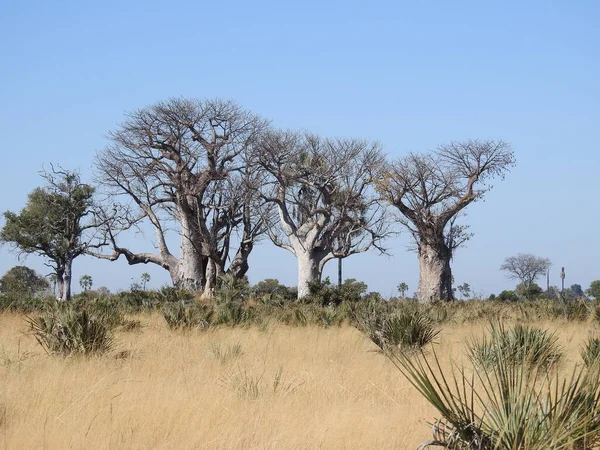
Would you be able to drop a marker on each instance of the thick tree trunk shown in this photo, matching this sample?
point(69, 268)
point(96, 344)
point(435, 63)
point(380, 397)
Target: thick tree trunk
point(213, 272)
point(63, 279)
point(60, 283)
point(239, 266)
point(435, 282)
point(188, 272)
point(309, 271)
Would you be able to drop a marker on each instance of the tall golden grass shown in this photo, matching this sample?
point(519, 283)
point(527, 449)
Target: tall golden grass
point(288, 388)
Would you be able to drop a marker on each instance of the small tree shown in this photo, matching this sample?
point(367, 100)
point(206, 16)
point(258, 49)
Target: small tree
point(145, 279)
point(53, 224)
point(594, 290)
point(465, 290)
point(23, 281)
point(402, 288)
point(86, 283)
point(526, 268)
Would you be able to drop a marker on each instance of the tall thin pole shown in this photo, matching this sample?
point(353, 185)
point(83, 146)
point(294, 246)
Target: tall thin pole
point(548, 283)
point(562, 277)
point(339, 272)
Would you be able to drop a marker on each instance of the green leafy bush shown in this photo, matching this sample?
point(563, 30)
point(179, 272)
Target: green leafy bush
point(508, 296)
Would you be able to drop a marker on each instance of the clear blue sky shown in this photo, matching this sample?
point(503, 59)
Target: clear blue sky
point(409, 74)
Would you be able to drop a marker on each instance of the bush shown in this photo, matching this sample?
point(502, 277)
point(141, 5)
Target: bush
point(271, 289)
point(21, 281)
point(410, 331)
point(519, 345)
point(508, 296)
point(66, 330)
point(594, 290)
point(229, 301)
point(185, 316)
point(590, 353)
point(324, 293)
point(508, 406)
point(533, 291)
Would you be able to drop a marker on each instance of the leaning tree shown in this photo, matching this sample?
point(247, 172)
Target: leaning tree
point(430, 191)
point(59, 223)
point(175, 162)
point(323, 192)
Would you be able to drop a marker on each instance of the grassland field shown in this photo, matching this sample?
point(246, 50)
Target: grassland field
point(267, 387)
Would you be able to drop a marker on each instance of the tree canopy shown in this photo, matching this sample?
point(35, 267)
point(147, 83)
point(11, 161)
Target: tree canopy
point(526, 268)
point(23, 281)
point(58, 223)
point(430, 191)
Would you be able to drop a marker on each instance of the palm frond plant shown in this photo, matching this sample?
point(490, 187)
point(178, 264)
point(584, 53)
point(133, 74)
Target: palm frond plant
point(508, 406)
point(67, 330)
point(590, 352)
point(180, 315)
point(517, 345)
point(408, 330)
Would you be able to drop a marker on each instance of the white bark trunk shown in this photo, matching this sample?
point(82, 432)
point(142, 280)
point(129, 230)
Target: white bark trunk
point(188, 272)
point(213, 272)
point(435, 281)
point(309, 271)
point(63, 278)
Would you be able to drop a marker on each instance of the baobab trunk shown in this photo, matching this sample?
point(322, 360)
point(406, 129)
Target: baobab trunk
point(309, 271)
point(188, 272)
point(213, 272)
point(239, 266)
point(435, 282)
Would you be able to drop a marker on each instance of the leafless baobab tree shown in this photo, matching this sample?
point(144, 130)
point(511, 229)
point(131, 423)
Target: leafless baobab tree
point(175, 163)
point(323, 192)
point(430, 190)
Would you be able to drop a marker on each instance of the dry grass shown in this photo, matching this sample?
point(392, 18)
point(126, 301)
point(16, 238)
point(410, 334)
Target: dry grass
point(286, 388)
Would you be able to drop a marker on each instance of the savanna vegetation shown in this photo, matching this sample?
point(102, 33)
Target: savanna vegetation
point(252, 367)
point(212, 362)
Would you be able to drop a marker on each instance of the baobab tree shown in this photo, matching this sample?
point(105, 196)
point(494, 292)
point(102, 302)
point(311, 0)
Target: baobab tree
point(430, 191)
point(323, 192)
point(167, 160)
point(233, 204)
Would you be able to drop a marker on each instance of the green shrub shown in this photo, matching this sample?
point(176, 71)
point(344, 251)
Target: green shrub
point(509, 406)
point(65, 330)
point(271, 290)
point(508, 296)
point(324, 293)
point(573, 310)
point(410, 331)
point(594, 290)
point(590, 352)
point(519, 345)
point(180, 315)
